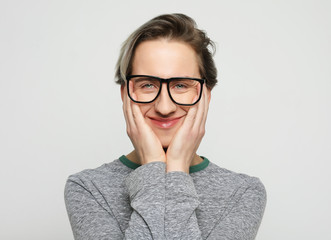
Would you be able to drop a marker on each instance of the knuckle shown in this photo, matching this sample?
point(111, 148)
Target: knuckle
point(202, 132)
point(134, 115)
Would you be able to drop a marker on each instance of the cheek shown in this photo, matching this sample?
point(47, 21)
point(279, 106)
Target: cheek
point(184, 109)
point(145, 108)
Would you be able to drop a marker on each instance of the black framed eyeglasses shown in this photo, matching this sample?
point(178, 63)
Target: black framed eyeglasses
point(183, 91)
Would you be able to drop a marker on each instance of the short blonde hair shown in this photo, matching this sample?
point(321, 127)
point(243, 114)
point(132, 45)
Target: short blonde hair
point(173, 27)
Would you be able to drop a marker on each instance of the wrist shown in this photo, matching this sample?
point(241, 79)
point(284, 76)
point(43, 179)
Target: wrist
point(177, 167)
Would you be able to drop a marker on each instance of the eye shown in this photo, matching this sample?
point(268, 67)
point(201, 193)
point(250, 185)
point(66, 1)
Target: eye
point(145, 83)
point(148, 85)
point(180, 86)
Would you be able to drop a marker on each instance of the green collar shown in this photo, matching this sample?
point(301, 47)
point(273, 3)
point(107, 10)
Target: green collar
point(193, 169)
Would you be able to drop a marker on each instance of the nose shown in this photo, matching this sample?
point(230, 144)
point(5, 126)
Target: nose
point(163, 104)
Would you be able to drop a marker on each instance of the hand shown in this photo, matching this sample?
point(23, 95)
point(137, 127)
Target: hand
point(183, 147)
point(146, 143)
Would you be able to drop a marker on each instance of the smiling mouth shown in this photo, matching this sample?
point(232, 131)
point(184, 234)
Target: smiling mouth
point(165, 122)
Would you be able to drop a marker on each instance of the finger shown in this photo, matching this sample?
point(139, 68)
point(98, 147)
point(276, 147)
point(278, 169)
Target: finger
point(130, 123)
point(129, 112)
point(124, 107)
point(206, 105)
point(204, 112)
point(201, 111)
point(191, 115)
point(136, 112)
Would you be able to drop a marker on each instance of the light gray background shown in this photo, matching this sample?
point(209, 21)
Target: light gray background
point(61, 112)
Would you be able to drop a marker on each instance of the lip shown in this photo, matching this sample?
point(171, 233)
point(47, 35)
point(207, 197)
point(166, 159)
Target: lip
point(164, 122)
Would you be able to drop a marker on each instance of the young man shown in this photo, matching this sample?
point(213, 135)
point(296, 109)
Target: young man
point(163, 189)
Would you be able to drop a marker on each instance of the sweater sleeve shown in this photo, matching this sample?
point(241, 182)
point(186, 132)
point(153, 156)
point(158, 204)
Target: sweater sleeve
point(240, 219)
point(147, 197)
point(91, 220)
point(180, 205)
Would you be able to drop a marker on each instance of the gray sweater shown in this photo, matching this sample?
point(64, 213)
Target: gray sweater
point(123, 200)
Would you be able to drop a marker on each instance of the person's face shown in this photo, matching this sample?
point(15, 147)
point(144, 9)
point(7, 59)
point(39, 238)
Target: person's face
point(164, 58)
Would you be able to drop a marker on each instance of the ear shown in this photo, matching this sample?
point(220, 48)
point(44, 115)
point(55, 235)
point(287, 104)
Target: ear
point(209, 94)
point(122, 91)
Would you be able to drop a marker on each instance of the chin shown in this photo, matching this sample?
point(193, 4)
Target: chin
point(165, 143)
point(165, 135)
